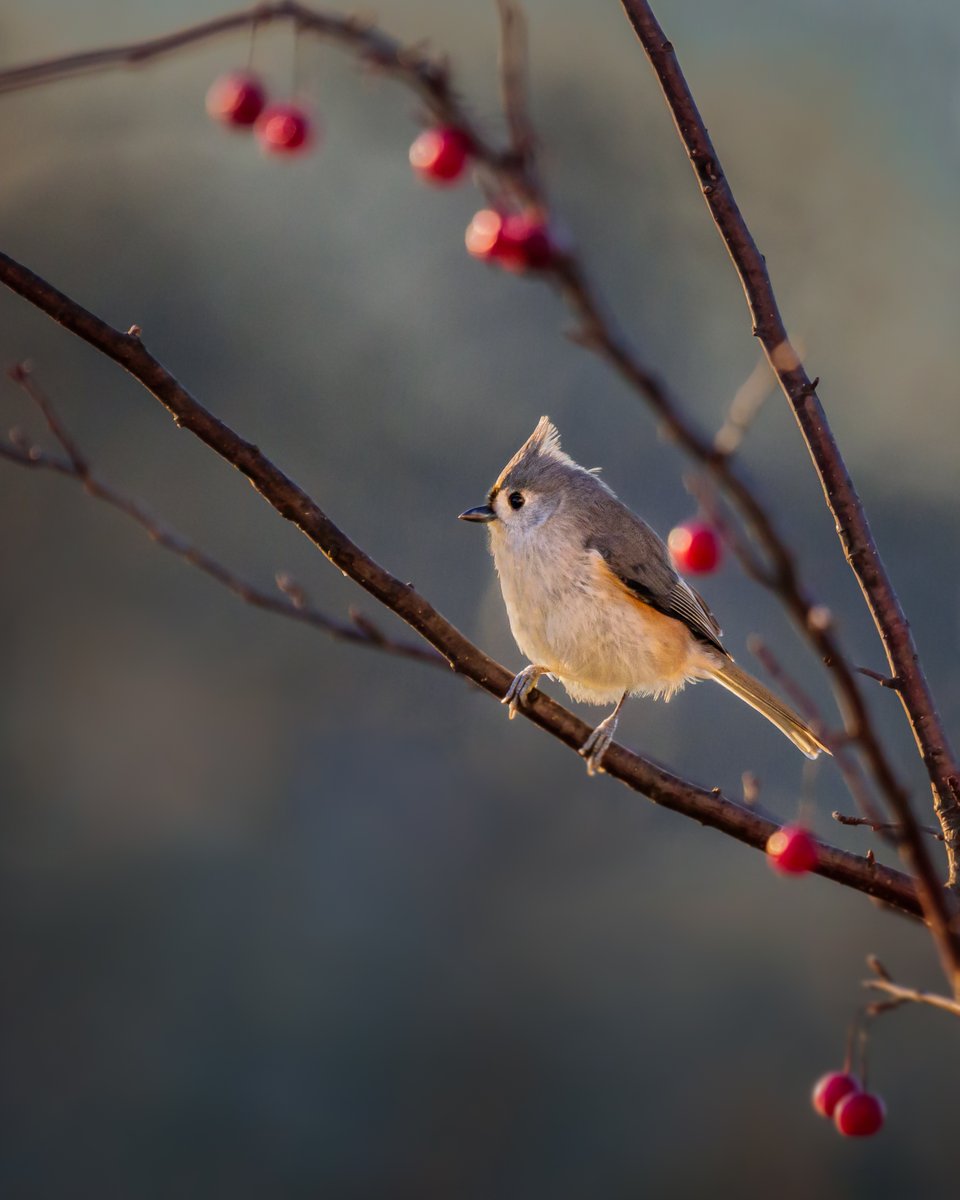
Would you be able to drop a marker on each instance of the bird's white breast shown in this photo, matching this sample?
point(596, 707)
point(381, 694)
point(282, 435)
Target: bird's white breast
point(567, 616)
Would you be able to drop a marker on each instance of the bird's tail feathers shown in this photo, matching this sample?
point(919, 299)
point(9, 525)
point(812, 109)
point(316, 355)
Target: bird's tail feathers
point(752, 692)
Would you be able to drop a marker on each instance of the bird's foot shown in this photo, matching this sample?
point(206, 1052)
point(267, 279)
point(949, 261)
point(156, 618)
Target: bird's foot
point(596, 745)
point(521, 687)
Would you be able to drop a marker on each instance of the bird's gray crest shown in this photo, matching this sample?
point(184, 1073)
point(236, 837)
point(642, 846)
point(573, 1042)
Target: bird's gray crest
point(539, 458)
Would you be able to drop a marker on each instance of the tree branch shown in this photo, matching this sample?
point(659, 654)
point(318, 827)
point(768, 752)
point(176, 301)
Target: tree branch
point(903, 995)
point(514, 171)
point(291, 502)
point(841, 497)
point(292, 602)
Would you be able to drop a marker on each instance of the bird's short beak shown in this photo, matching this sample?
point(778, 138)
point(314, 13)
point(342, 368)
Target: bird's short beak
point(483, 513)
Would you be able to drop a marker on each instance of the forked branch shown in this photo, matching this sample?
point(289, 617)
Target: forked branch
point(838, 488)
point(841, 497)
point(513, 171)
point(291, 502)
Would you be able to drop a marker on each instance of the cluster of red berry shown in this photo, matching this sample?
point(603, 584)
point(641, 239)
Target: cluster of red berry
point(855, 1113)
point(519, 240)
point(240, 99)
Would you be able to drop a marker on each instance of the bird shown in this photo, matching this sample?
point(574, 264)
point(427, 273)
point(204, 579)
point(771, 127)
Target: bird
point(594, 601)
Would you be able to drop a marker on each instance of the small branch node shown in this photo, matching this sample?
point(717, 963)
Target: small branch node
point(370, 631)
point(291, 589)
point(19, 372)
point(893, 682)
point(878, 968)
point(819, 618)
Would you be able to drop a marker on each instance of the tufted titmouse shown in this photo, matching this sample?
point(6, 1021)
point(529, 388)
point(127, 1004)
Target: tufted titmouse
point(594, 601)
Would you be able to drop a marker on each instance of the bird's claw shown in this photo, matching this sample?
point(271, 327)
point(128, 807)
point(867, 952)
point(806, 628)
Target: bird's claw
point(520, 688)
point(596, 746)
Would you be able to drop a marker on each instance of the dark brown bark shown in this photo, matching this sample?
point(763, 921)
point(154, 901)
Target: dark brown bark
point(709, 807)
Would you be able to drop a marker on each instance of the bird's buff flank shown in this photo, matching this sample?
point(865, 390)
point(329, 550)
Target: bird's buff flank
point(593, 598)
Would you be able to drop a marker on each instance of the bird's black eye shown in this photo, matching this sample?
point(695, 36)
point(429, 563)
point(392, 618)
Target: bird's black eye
point(515, 499)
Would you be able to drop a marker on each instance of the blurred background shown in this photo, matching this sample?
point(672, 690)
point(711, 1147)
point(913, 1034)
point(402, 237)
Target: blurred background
point(287, 917)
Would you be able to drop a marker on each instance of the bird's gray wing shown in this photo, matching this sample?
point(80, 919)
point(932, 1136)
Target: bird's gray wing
point(640, 560)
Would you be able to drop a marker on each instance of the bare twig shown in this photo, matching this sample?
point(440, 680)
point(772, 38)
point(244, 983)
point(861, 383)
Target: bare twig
point(513, 84)
point(849, 769)
point(841, 497)
point(799, 697)
point(886, 681)
point(838, 487)
point(293, 603)
point(881, 826)
point(709, 807)
point(704, 490)
point(744, 409)
point(900, 995)
point(908, 995)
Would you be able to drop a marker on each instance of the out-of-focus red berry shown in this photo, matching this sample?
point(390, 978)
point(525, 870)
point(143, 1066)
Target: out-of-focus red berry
point(830, 1089)
point(517, 241)
point(284, 129)
point(484, 234)
point(527, 244)
point(694, 548)
point(792, 851)
point(236, 98)
point(859, 1114)
point(440, 155)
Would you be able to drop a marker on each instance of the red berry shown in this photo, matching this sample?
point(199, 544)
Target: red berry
point(518, 241)
point(439, 155)
point(694, 548)
point(236, 99)
point(484, 234)
point(830, 1089)
point(527, 244)
point(859, 1114)
point(792, 851)
point(284, 129)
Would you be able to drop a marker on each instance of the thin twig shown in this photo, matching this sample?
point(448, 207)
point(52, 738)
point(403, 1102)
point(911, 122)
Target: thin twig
point(842, 500)
point(704, 490)
point(903, 995)
point(709, 807)
point(886, 681)
point(849, 769)
point(513, 83)
point(798, 696)
point(881, 826)
point(745, 407)
point(292, 603)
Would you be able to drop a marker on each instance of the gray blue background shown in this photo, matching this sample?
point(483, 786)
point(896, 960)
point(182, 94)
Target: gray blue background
point(285, 917)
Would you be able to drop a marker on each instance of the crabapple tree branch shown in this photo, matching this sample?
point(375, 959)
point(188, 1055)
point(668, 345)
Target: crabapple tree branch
point(290, 600)
point(838, 487)
point(510, 176)
point(905, 995)
point(709, 807)
point(513, 172)
point(844, 504)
